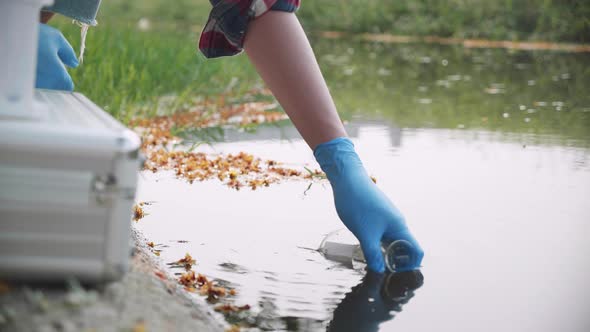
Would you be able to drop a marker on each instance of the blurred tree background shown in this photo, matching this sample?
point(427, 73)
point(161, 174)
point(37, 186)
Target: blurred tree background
point(550, 20)
point(563, 20)
point(145, 51)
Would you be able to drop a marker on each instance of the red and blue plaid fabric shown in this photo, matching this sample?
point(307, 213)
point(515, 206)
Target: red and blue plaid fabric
point(225, 30)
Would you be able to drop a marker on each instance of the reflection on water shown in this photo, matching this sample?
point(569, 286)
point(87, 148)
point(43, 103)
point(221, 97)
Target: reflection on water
point(416, 85)
point(378, 298)
point(499, 203)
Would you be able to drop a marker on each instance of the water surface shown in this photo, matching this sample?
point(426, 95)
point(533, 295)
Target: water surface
point(487, 154)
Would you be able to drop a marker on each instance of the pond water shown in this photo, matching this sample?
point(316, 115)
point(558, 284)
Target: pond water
point(487, 154)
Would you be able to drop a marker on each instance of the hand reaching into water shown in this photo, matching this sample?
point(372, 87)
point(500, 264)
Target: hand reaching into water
point(361, 205)
point(54, 53)
point(278, 47)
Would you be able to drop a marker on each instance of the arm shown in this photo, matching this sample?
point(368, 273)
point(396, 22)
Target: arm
point(277, 46)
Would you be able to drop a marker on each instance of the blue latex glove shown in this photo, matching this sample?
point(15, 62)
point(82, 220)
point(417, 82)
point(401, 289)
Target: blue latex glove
point(361, 205)
point(54, 53)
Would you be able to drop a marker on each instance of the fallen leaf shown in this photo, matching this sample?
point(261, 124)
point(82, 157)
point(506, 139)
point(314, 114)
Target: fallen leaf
point(137, 213)
point(160, 275)
point(227, 308)
point(233, 328)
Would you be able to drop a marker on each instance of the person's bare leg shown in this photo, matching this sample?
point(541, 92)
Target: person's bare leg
point(278, 47)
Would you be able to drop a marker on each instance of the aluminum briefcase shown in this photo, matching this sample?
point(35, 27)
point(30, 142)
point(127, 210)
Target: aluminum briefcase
point(67, 184)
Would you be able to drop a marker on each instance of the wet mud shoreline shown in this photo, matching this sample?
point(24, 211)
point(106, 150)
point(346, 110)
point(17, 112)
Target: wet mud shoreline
point(147, 298)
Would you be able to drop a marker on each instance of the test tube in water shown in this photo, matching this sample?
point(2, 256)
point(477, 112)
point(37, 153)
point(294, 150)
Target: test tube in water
point(399, 256)
point(343, 247)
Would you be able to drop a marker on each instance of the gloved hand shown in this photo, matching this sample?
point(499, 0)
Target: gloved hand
point(361, 205)
point(54, 53)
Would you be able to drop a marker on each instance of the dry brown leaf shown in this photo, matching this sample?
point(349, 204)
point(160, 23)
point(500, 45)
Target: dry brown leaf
point(186, 262)
point(234, 170)
point(227, 308)
point(160, 275)
point(233, 328)
point(137, 213)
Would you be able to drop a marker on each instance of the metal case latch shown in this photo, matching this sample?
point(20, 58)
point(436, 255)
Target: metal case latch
point(104, 188)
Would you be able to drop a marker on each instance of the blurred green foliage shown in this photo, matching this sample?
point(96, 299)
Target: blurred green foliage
point(143, 50)
point(553, 20)
point(127, 67)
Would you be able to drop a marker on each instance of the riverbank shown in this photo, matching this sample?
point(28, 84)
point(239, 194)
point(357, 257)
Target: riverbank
point(466, 43)
point(141, 51)
point(146, 299)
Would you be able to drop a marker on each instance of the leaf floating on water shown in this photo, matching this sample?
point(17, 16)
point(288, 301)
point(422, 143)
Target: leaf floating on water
point(213, 292)
point(190, 289)
point(186, 262)
point(137, 213)
point(230, 169)
point(201, 280)
point(227, 308)
point(193, 282)
point(160, 136)
point(188, 279)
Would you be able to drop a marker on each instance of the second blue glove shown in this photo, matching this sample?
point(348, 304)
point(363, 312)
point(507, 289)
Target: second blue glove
point(54, 53)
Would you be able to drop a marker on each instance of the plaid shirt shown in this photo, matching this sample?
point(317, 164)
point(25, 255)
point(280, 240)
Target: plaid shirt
point(225, 30)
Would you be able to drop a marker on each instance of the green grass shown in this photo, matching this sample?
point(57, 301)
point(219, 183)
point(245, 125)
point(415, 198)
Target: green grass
point(127, 70)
